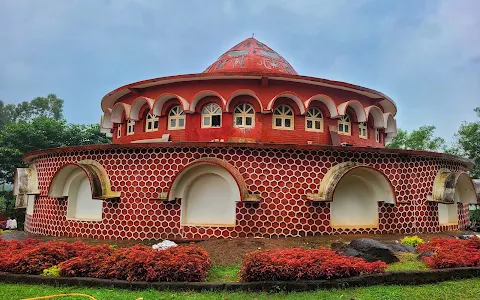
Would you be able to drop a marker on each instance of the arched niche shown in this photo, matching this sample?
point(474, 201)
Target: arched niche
point(137, 106)
point(377, 115)
point(354, 191)
point(327, 101)
point(200, 95)
point(118, 110)
point(162, 99)
point(453, 187)
point(447, 214)
point(243, 92)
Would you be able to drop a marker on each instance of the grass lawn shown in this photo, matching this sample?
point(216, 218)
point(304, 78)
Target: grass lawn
point(408, 261)
point(464, 289)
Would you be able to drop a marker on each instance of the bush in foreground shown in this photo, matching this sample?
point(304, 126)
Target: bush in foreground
point(303, 264)
point(413, 241)
point(452, 253)
point(139, 263)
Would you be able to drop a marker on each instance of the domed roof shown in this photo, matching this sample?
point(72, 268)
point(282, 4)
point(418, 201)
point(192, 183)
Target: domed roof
point(251, 56)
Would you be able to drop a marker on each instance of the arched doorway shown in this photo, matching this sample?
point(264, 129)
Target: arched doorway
point(81, 205)
point(356, 197)
point(209, 194)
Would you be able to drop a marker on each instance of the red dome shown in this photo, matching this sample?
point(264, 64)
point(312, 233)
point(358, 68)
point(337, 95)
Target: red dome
point(251, 56)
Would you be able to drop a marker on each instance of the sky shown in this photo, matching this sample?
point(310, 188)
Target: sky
point(424, 54)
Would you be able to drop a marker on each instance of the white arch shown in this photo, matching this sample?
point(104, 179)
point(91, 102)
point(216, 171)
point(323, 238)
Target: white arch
point(377, 114)
point(215, 195)
point(243, 92)
point(290, 95)
point(465, 191)
point(357, 107)
point(332, 108)
point(158, 105)
point(356, 197)
point(117, 112)
point(200, 95)
point(138, 104)
point(106, 124)
point(390, 123)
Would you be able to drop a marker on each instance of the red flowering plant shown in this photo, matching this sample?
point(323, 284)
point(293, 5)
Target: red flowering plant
point(451, 253)
point(303, 264)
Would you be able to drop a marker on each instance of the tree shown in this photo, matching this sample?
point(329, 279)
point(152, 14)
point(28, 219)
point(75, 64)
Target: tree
point(50, 107)
point(35, 125)
point(419, 139)
point(467, 143)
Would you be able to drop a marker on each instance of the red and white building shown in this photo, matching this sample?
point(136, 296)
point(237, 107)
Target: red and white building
point(246, 148)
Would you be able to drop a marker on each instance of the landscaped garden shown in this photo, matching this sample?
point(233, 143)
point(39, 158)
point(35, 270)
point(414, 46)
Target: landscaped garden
point(192, 263)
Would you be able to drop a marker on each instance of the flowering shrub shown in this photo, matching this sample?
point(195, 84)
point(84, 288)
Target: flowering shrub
point(413, 241)
point(452, 253)
point(302, 264)
point(82, 260)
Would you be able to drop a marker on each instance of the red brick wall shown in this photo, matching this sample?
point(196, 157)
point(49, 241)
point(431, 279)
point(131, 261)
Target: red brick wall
point(282, 177)
point(263, 131)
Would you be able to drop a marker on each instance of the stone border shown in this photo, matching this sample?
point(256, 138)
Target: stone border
point(389, 278)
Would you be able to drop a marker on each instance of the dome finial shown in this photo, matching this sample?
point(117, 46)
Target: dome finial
point(253, 35)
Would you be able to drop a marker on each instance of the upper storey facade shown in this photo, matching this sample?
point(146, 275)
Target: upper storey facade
point(252, 95)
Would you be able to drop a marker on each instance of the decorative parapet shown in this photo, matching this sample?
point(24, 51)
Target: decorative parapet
point(25, 183)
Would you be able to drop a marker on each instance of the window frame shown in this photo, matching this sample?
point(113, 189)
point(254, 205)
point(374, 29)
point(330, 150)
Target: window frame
point(344, 120)
point(130, 125)
point(178, 114)
point(244, 114)
point(119, 130)
point(315, 117)
point(363, 128)
point(151, 119)
point(283, 116)
point(207, 112)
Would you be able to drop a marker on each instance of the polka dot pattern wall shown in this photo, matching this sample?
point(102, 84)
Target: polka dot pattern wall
point(282, 177)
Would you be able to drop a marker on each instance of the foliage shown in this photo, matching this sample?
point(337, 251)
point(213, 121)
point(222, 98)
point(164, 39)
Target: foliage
point(220, 273)
point(413, 241)
point(303, 264)
point(452, 253)
point(50, 107)
point(138, 263)
point(467, 143)
point(53, 271)
point(7, 208)
point(408, 261)
point(419, 139)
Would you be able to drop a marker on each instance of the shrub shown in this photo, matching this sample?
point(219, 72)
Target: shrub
point(413, 241)
point(452, 253)
point(53, 271)
point(86, 262)
point(302, 264)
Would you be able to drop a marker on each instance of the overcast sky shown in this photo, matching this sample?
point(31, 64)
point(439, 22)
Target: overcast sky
point(425, 55)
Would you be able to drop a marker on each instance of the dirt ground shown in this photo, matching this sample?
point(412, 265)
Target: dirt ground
point(231, 251)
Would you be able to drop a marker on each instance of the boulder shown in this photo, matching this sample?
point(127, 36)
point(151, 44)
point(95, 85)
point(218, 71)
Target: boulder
point(401, 248)
point(370, 250)
point(425, 254)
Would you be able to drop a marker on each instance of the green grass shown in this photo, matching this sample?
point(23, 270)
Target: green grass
point(464, 289)
point(223, 274)
point(408, 261)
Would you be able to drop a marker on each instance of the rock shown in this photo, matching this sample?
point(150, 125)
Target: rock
point(337, 245)
point(466, 236)
point(164, 245)
point(425, 254)
point(370, 250)
point(346, 250)
point(401, 248)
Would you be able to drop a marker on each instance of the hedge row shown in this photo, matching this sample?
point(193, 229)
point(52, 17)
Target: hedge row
point(451, 253)
point(78, 259)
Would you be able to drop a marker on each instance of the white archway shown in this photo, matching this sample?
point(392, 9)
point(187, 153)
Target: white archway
point(356, 106)
point(329, 103)
point(377, 114)
point(209, 194)
point(81, 205)
point(356, 197)
point(289, 95)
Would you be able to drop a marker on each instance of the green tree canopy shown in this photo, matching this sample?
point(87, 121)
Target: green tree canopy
point(37, 125)
point(419, 139)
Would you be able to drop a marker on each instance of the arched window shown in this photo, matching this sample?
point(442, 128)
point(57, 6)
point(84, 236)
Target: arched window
point(362, 130)
point(283, 118)
point(244, 116)
point(377, 135)
point(344, 125)
point(211, 115)
point(130, 127)
point(119, 130)
point(176, 118)
point(151, 123)
point(314, 120)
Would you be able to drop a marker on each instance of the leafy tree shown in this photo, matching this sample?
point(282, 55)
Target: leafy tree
point(419, 139)
point(37, 125)
point(467, 143)
point(50, 107)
